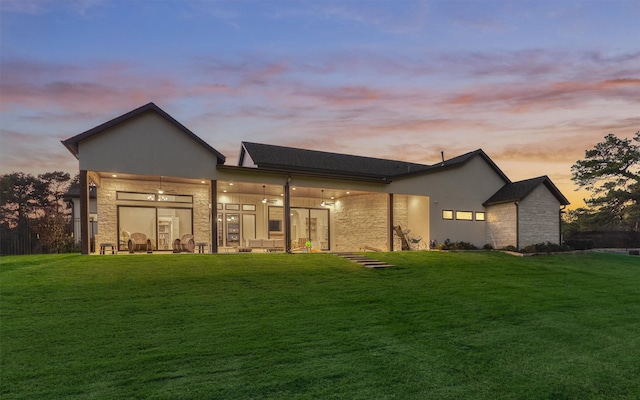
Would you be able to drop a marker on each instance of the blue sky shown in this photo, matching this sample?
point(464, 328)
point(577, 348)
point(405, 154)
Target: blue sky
point(533, 83)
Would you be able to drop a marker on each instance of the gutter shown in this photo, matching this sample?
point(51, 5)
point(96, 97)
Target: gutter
point(291, 173)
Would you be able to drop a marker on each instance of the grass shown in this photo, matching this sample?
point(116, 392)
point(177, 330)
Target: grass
point(314, 326)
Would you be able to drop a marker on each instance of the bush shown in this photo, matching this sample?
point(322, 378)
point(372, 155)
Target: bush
point(579, 244)
point(449, 245)
point(510, 248)
point(545, 247)
point(487, 247)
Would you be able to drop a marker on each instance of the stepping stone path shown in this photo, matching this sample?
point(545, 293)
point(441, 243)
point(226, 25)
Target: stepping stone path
point(364, 261)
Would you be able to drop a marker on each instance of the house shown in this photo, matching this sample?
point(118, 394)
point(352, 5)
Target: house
point(158, 179)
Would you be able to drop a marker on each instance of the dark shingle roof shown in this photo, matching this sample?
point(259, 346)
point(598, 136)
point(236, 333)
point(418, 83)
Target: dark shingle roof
point(462, 159)
point(72, 143)
point(517, 191)
point(273, 157)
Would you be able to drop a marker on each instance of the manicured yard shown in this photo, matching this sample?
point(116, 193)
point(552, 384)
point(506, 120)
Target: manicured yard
point(314, 326)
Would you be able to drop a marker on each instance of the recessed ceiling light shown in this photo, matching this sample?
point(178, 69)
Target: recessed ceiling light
point(224, 191)
point(114, 175)
point(294, 188)
point(201, 181)
point(231, 184)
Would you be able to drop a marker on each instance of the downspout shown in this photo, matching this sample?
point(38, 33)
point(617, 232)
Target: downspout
point(390, 219)
point(214, 215)
point(560, 223)
point(517, 203)
point(287, 217)
point(85, 239)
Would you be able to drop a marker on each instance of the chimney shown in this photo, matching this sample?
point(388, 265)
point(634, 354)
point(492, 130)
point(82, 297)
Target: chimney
point(442, 154)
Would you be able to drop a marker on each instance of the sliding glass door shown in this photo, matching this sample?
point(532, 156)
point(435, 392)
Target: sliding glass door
point(309, 224)
point(160, 225)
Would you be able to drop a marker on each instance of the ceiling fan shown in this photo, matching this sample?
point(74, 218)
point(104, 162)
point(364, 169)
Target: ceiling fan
point(324, 203)
point(264, 196)
point(162, 192)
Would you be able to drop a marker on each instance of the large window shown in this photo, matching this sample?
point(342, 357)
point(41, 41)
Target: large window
point(161, 226)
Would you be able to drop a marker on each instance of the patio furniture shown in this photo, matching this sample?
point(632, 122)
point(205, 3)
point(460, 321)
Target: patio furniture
point(103, 247)
point(184, 244)
point(139, 242)
point(269, 245)
point(201, 246)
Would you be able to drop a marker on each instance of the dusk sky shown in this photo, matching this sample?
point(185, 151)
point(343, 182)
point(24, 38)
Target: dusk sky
point(532, 83)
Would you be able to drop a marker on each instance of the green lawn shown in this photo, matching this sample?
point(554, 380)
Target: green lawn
point(313, 326)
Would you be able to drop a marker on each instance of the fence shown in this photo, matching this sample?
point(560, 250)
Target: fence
point(607, 239)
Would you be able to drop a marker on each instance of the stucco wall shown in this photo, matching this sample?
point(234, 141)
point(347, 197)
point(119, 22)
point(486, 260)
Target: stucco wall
point(539, 218)
point(108, 205)
point(464, 188)
point(147, 144)
point(502, 225)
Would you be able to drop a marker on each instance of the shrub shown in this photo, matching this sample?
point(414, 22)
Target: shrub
point(449, 245)
point(487, 247)
point(510, 248)
point(545, 247)
point(579, 244)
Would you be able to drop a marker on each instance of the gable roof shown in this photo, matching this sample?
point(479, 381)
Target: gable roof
point(280, 158)
point(517, 191)
point(72, 143)
point(461, 160)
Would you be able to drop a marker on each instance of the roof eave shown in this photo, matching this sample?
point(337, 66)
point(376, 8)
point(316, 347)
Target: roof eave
point(290, 172)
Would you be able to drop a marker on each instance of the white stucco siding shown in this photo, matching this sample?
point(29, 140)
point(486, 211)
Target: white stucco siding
point(502, 225)
point(148, 145)
point(539, 219)
point(464, 188)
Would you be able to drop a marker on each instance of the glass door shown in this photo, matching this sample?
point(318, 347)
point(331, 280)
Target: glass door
point(309, 225)
point(319, 228)
point(248, 228)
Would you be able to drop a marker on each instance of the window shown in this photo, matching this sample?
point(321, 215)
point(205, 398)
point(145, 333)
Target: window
point(447, 214)
point(479, 215)
point(136, 196)
point(153, 197)
point(464, 215)
point(161, 226)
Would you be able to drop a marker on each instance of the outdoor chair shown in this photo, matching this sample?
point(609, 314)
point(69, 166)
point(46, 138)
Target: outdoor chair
point(185, 243)
point(138, 242)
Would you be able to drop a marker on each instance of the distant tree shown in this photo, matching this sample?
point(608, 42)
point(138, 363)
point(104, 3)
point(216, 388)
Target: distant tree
point(33, 206)
point(611, 171)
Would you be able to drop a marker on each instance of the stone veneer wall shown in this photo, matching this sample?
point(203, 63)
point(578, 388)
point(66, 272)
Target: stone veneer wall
point(502, 225)
point(361, 220)
point(539, 218)
point(108, 206)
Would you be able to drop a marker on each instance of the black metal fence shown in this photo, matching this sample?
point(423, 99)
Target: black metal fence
point(605, 239)
point(23, 239)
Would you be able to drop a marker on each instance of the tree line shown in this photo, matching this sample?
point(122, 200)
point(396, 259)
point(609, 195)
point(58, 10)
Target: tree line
point(34, 216)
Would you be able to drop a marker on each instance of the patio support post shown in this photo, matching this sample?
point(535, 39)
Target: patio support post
point(390, 219)
point(85, 240)
point(214, 216)
point(287, 217)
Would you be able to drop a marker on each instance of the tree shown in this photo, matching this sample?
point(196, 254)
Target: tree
point(611, 171)
point(32, 206)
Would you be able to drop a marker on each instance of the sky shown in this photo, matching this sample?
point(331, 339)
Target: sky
point(532, 83)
